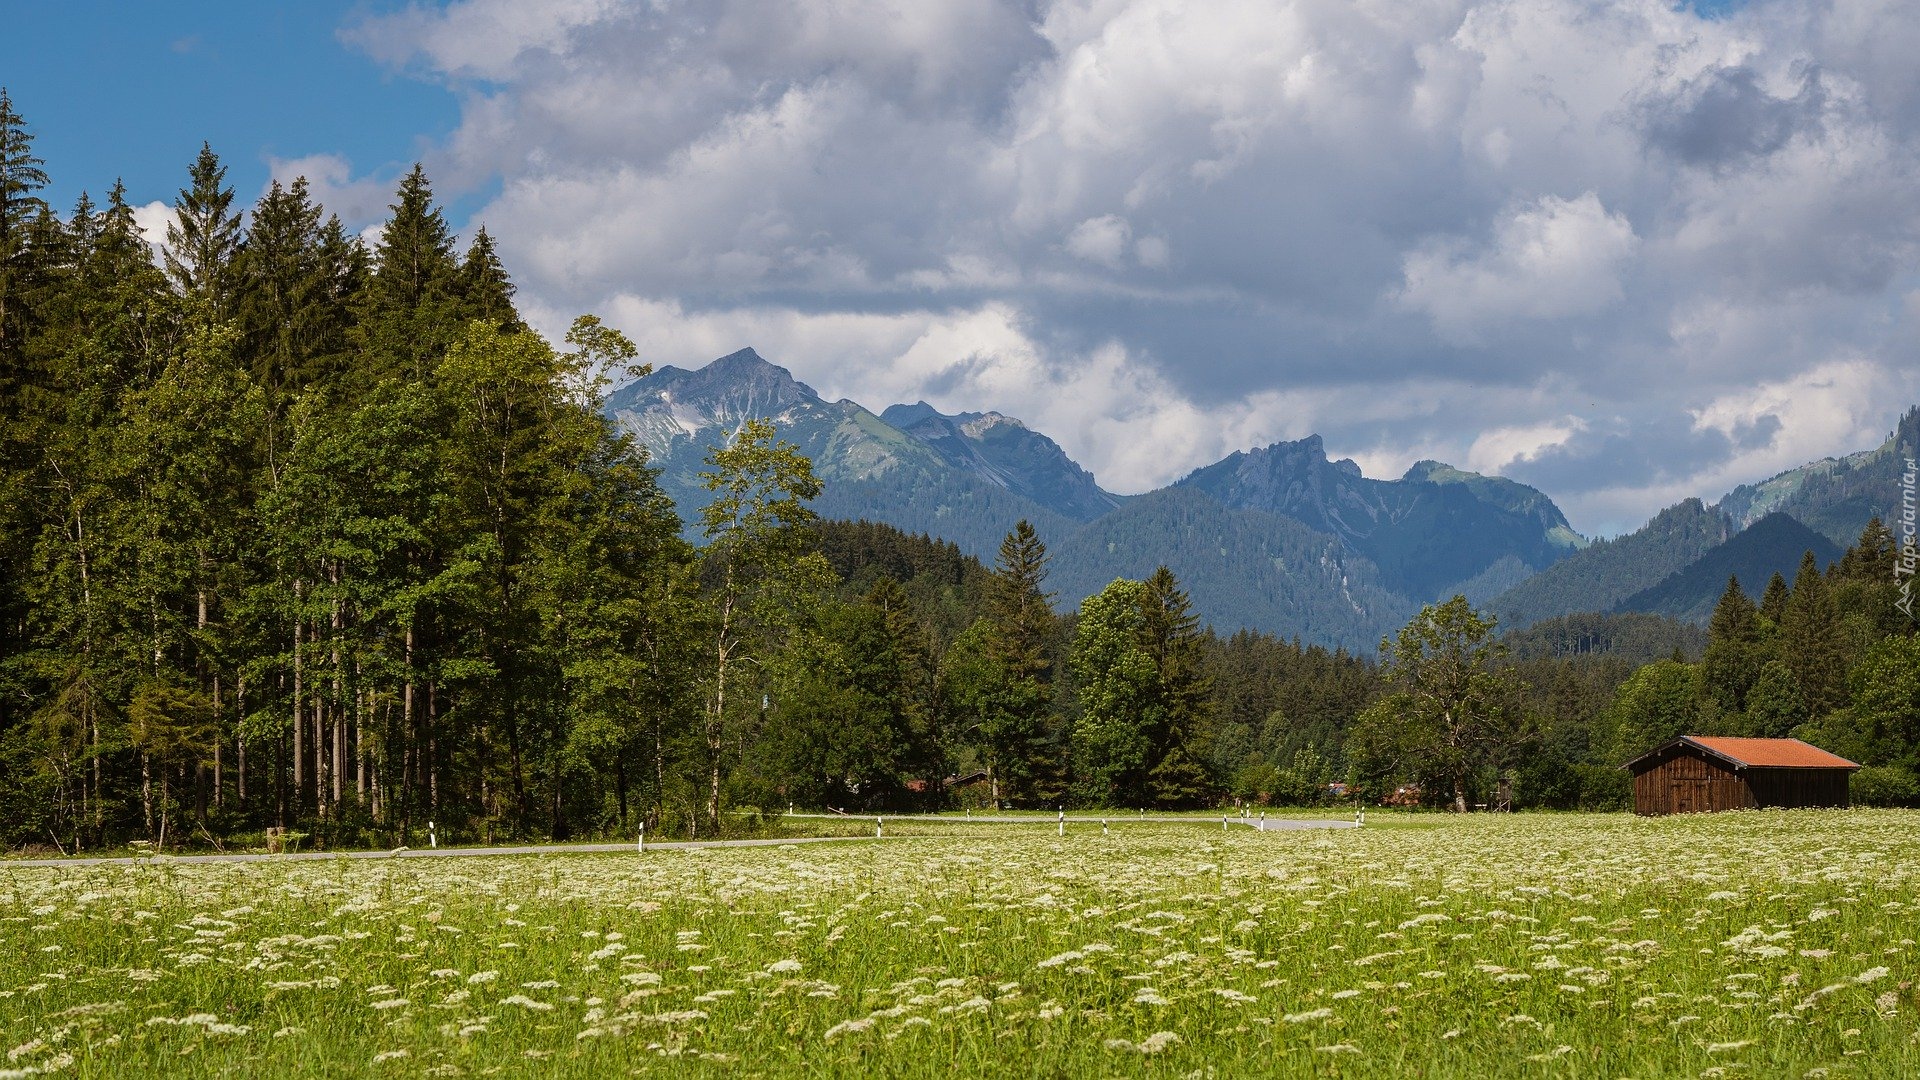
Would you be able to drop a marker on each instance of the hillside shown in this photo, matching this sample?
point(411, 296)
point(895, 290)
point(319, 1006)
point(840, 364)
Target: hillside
point(1244, 568)
point(1609, 571)
point(1834, 496)
point(1634, 637)
point(1774, 544)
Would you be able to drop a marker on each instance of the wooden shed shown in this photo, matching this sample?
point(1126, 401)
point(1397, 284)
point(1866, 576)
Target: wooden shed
point(1695, 773)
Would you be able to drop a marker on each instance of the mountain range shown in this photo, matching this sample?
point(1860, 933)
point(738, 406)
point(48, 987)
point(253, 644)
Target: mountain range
point(1277, 538)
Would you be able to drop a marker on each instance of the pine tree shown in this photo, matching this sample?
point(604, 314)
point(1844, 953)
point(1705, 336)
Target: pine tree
point(413, 312)
point(1773, 603)
point(21, 178)
point(280, 291)
point(1870, 560)
point(1810, 642)
point(1174, 640)
point(1733, 657)
point(204, 236)
point(485, 291)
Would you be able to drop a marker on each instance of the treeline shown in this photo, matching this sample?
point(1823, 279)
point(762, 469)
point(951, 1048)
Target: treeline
point(1830, 659)
point(313, 533)
point(310, 533)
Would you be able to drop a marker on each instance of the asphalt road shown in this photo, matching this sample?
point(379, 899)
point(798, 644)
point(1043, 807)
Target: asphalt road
point(1257, 824)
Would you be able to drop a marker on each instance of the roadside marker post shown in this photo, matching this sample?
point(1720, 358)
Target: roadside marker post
point(876, 828)
point(432, 841)
point(640, 845)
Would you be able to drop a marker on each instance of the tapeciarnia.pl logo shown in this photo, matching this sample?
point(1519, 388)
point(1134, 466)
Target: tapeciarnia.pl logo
point(1907, 559)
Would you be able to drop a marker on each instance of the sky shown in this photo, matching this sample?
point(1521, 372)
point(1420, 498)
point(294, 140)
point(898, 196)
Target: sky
point(1627, 252)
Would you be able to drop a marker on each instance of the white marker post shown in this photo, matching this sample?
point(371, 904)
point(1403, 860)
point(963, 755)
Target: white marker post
point(1063, 821)
point(640, 845)
point(1263, 821)
point(432, 841)
point(1223, 823)
point(1103, 827)
point(876, 828)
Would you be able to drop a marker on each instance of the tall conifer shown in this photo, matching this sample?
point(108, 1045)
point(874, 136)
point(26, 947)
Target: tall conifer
point(1733, 657)
point(204, 235)
point(415, 275)
point(485, 290)
point(1810, 642)
point(21, 179)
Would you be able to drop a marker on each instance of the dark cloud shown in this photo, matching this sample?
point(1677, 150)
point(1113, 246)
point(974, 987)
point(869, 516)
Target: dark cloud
point(1725, 116)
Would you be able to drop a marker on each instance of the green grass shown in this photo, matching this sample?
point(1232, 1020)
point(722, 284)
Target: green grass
point(1757, 944)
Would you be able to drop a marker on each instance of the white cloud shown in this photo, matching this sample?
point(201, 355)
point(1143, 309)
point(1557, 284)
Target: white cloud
point(1535, 235)
point(1498, 448)
point(1549, 260)
point(360, 201)
point(1101, 240)
point(154, 219)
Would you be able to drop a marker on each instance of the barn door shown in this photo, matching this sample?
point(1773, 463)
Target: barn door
point(1688, 796)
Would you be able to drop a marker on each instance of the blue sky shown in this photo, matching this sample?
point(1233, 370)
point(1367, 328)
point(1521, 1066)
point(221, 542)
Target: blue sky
point(1626, 251)
point(131, 90)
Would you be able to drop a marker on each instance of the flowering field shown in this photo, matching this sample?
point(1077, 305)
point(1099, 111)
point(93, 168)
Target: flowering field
point(1758, 944)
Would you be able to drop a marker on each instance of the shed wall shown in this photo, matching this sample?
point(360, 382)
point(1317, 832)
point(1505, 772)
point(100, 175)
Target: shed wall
point(1799, 787)
point(1687, 783)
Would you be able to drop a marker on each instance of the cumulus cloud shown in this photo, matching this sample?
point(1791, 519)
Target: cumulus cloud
point(1552, 259)
point(1576, 244)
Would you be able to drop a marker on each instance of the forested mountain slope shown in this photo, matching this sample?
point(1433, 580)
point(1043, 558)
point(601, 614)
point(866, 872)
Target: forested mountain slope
point(1609, 571)
point(1835, 496)
point(1773, 545)
point(1244, 568)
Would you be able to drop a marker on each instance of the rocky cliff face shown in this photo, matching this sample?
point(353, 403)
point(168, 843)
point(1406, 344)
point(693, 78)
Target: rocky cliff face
point(1431, 532)
point(1005, 452)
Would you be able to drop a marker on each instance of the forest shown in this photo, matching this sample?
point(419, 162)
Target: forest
point(308, 529)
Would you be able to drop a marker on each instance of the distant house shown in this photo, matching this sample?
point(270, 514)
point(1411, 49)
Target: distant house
point(1696, 773)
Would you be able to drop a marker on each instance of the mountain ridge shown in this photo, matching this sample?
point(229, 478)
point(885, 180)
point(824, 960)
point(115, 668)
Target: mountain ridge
point(1279, 538)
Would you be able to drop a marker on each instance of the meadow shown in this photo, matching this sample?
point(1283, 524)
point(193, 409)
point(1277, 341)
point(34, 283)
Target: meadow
point(1769, 944)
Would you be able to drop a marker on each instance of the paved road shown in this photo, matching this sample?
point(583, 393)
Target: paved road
point(1268, 825)
point(426, 853)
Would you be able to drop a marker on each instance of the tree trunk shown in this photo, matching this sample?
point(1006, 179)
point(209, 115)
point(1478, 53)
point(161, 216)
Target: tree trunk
point(299, 714)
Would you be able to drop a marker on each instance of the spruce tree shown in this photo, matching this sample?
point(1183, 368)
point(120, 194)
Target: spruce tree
point(1773, 603)
point(1733, 657)
point(1870, 560)
point(1776, 704)
point(21, 179)
point(1174, 640)
point(204, 236)
point(279, 289)
point(1019, 632)
point(486, 293)
point(1810, 642)
point(413, 312)
point(1019, 610)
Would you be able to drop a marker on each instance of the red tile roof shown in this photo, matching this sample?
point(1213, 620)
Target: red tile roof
point(1770, 753)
